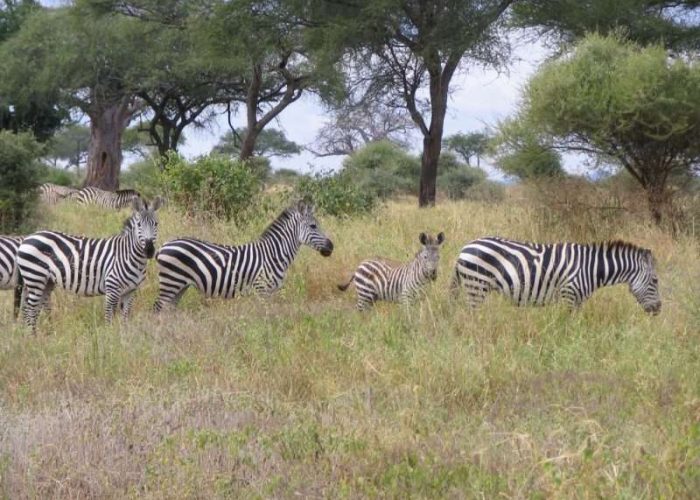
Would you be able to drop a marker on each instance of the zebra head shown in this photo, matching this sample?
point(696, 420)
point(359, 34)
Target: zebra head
point(308, 231)
point(144, 222)
point(644, 285)
point(429, 256)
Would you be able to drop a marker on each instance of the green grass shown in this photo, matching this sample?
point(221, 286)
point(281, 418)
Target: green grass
point(301, 395)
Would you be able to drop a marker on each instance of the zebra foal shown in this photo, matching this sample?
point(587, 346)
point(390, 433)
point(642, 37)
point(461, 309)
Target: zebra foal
point(380, 279)
point(223, 270)
point(8, 268)
point(113, 267)
point(121, 198)
point(539, 274)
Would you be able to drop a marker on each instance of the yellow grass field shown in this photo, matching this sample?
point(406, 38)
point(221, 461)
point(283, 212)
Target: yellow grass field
point(300, 395)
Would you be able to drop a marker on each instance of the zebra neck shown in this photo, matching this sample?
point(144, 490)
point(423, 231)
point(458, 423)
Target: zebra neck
point(130, 243)
point(282, 243)
point(611, 264)
point(415, 268)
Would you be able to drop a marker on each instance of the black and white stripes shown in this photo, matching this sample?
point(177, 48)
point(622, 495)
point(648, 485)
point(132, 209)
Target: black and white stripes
point(379, 279)
point(536, 274)
point(52, 193)
point(8, 269)
point(107, 199)
point(113, 267)
point(224, 271)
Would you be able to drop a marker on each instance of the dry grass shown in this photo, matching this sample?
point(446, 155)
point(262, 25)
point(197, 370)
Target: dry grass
point(301, 395)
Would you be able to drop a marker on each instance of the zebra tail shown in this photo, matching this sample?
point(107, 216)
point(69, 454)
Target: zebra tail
point(344, 287)
point(19, 284)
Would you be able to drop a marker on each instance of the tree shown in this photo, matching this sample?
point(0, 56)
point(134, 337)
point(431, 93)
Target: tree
point(355, 125)
point(88, 63)
point(28, 112)
point(562, 22)
point(468, 146)
point(619, 102)
point(271, 142)
point(19, 176)
point(408, 45)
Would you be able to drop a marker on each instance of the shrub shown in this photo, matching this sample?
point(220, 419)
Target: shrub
point(486, 191)
point(58, 176)
point(212, 184)
point(144, 176)
point(336, 195)
point(456, 182)
point(383, 169)
point(19, 176)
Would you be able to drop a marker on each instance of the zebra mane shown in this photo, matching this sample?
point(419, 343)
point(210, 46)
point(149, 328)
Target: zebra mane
point(624, 245)
point(127, 224)
point(283, 217)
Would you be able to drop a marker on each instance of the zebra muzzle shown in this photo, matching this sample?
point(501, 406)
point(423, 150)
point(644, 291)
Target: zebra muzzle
point(150, 249)
point(327, 249)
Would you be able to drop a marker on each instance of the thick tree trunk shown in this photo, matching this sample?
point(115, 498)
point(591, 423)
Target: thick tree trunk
point(248, 145)
point(432, 144)
point(105, 152)
point(659, 203)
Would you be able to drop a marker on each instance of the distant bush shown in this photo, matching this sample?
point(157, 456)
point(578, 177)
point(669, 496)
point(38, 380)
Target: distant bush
point(456, 182)
point(212, 184)
point(144, 176)
point(336, 195)
point(284, 176)
point(20, 173)
point(383, 169)
point(59, 176)
point(486, 191)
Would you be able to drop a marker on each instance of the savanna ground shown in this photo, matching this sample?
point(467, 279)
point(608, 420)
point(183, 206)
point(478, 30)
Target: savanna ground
point(300, 395)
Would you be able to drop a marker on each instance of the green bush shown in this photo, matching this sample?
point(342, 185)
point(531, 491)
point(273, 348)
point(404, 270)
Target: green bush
point(336, 195)
point(486, 191)
point(145, 177)
point(59, 176)
point(457, 182)
point(20, 173)
point(212, 184)
point(383, 169)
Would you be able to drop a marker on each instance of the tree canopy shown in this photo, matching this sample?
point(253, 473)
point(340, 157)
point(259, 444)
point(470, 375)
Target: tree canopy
point(271, 142)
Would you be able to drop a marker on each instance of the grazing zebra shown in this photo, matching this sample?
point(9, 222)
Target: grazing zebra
point(8, 268)
point(52, 193)
point(94, 196)
point(536, 274)
point(223, 271)
point(113, 267)
point(379, 279)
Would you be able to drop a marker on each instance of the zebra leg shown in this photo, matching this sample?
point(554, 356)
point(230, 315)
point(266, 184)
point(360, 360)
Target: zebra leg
point(46, 296)
point(476, 292)
point(169, 298)
point(112, 299)
point(126, 303)
point(31, 308)
point(365, 299)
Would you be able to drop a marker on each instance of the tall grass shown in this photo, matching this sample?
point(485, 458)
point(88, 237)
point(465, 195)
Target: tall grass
point(300, 395)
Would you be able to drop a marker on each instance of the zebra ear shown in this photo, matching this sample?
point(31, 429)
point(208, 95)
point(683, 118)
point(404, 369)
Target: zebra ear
point(423, 238)
point(156, 203)
point(137, 204)
point(440, 238)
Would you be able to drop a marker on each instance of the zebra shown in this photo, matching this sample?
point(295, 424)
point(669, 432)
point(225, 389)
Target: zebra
point(539, 274)
point(379, 279)
point(223, 271)
point(8, 268)
point(118, 199)
point(113, 267)
point(52, 193)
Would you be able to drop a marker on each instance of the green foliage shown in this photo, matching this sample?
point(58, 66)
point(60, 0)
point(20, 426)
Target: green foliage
point(383, 169)
point(468, 146)
point(60, 176)
point(270, 142)
point(212, 184)
point(520, 153)
point(336, 195)
point(486, 191)
point(19, 177)
point(457, 181)
point(144, 176)
point(285, 176)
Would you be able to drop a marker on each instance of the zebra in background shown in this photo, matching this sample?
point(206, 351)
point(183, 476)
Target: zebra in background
point(380, 279)
point(223, 271)
point(113, 267)
point(52, 193)
point(94, 196)
point(536, 274)
point(8, 269)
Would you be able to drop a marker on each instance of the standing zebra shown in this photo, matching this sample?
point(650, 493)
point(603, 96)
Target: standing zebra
point(94, 196)
point(379, 279)
point(8, 269)
point(113, 267)
point(52, 193)
point(536, 274)
point(223, 271)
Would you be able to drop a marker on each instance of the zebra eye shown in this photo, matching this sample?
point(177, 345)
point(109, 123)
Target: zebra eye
point(313, 226)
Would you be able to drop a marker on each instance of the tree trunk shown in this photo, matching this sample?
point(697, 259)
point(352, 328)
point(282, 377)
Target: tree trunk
point(248, 145)
point(659, 203)
point(105, 152)
point(428, 169)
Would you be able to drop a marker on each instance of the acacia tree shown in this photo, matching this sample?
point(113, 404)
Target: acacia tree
point(622, 103)
point(411, 46)
point(468, 146)
point(271, 142)
point(87, 63)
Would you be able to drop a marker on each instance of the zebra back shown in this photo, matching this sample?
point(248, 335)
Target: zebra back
point(52, 193)
point(8, 255)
